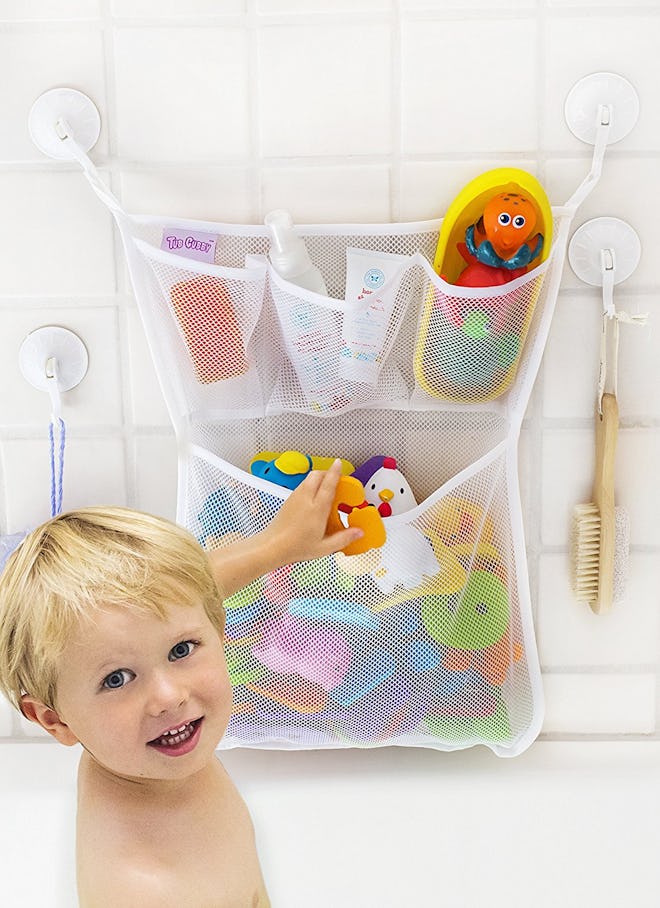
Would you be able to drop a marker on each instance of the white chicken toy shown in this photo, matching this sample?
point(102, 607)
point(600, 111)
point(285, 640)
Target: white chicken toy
point(406, 559)
point(385, 486)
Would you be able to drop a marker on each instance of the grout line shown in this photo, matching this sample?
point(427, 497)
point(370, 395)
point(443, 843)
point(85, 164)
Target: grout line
point(255, 161)
point(396, 112)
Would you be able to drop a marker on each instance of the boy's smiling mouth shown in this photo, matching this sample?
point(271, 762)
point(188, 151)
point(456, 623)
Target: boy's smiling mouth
point(178, 740)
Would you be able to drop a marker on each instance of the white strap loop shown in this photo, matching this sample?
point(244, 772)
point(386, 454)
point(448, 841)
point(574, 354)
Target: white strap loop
point(77, 152)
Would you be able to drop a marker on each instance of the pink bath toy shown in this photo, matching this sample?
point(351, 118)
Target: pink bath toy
point(291, 645)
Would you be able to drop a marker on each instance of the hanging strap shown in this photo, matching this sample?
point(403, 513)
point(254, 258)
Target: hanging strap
point(56, 465)
point(77, 152)
point(608, 372)
point(56, 425)
point(603, 123)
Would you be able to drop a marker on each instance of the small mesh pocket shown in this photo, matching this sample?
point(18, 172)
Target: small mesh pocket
point(208, 317)
point(313, 377)
point(470, 341)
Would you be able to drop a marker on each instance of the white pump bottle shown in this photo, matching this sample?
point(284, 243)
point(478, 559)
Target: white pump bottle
point(288, 253)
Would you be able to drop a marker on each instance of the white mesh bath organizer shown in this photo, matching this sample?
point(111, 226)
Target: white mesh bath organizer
point(427, 641)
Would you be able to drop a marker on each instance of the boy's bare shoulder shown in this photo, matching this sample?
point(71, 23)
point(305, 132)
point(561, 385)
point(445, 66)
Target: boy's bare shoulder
point(196, 851)
point(132, 885)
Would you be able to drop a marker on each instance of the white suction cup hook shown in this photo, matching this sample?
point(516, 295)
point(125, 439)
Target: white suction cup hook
point(602, 246)
point(598, 100)
point(53, 359)
point(61, 113)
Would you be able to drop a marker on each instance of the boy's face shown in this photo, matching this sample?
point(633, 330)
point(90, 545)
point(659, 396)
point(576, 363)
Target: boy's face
point(147, 698)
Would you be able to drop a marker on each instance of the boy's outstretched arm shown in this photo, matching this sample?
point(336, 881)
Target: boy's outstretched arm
point(298, 532)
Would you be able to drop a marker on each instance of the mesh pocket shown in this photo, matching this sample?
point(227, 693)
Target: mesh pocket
point(420, 642)
point(315, 376)
point(470, 341)
point(207, 316)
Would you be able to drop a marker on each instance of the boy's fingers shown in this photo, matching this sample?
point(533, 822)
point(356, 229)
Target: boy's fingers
point(328, 482)
point(341, 539)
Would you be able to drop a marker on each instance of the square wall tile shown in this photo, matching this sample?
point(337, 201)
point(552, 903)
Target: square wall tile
point(328, 194)
point(448, 104)
point(94, 473)
point(268, 7)
point(465, 5)
point(95, 401)
point(639, 364)
point(156, 474)
point(58, 239)
point(32, 10)
point(596, 4)
point(599, 704)
point(567, 476)
point(174, 9)
point(35, 60)
point(182, 94)
point(324, 90)
point(576, 46)
point(638, 458)
point(570, 361)
point(205, 194)
point(570, 635)
point(148, 404)
point(427, 188)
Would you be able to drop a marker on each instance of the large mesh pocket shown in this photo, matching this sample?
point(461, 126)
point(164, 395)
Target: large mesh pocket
point(317, 374)
point(206, 318)
point(423, 642)
point(470, 340)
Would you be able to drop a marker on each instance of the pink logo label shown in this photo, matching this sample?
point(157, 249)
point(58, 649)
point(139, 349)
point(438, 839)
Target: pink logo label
point(190, 243)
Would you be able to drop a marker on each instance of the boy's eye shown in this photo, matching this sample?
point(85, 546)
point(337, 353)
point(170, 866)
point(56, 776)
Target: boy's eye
point(181, 650)
point(117, 679)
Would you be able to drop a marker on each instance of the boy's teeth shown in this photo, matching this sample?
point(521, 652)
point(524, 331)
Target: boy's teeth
point(176, 735)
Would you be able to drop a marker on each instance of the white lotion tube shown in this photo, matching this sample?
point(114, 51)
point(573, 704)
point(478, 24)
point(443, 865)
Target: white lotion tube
point(372, 282)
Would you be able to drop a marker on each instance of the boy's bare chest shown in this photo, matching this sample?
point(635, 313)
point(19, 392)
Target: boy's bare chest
point(205, 849)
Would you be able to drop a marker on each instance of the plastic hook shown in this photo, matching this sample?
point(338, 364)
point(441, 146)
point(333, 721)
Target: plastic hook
point(53, 359)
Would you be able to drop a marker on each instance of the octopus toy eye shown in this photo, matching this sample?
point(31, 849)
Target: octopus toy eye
point(504, 219)
point(519, 221)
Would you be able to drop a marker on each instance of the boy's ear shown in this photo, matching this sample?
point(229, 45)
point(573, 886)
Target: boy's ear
point(48, 718)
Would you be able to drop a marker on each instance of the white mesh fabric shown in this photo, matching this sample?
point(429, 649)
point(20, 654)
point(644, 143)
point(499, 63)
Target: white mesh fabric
point(418, 643)
point(427, 641)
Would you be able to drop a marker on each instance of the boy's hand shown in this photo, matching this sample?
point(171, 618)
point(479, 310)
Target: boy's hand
point(299, 530)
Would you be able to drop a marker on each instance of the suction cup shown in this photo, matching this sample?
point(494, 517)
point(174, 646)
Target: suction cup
point(604, 240)
point(607, 90)
point(61, 112)
point(50, 352)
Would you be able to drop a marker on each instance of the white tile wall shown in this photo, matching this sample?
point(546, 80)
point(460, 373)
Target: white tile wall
point(448, 102)
point(324, 89)
point(340, 111)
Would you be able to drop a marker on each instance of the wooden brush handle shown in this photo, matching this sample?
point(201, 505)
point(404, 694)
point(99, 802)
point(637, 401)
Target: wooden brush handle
point(607, 430)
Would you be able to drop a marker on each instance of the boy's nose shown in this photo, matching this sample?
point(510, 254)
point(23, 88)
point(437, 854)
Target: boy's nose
point(166, 694)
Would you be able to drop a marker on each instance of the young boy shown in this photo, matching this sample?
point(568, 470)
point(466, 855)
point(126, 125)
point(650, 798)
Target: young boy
point(111, 625)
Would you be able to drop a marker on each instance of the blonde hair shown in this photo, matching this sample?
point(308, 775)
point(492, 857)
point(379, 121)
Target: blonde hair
point(78, 563)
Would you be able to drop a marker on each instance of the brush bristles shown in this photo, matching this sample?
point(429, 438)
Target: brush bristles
point(586, 552)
